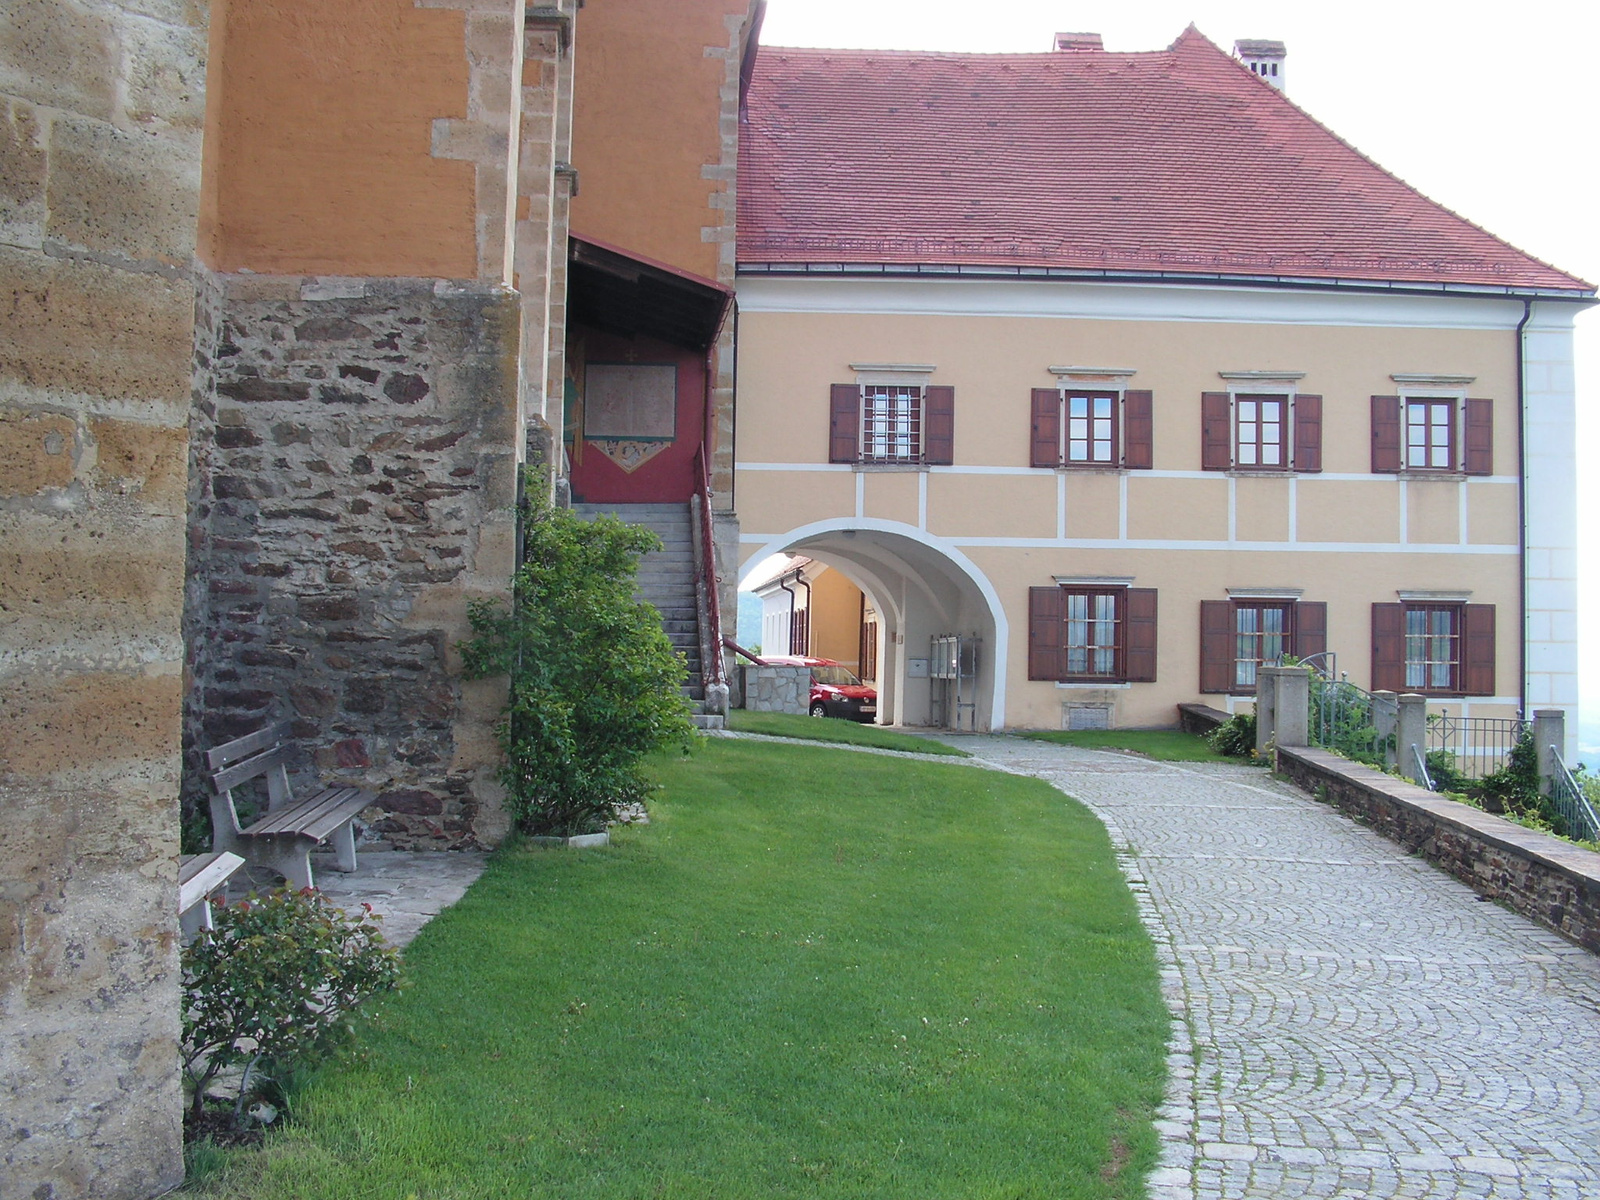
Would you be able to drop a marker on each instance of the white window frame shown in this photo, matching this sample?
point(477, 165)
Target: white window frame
point(1087, 380)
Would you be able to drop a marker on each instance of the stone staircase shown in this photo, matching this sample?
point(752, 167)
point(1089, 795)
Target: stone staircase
point(666, 580)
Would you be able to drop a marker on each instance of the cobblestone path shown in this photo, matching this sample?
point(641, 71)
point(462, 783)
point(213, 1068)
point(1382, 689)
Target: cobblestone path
point(1351, 1021)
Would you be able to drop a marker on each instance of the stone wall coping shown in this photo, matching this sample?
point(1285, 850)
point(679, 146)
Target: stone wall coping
point(1580, 865)
point(248, 286)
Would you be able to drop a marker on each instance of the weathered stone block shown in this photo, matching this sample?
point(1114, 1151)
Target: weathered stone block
point(164, 68)
point(151, 459)
point(61, 55)
point(23, 171)
point(55, 725)
point(91, 328)
point(37, 451)
point(131, 194)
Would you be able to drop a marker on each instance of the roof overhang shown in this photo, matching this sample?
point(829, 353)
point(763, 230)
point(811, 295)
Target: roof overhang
point(837, 270)
point(610, 289)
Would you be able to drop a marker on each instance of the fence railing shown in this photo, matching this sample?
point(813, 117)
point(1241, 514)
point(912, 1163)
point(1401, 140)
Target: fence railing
point(1478, 746)
point(1568, 799)
point(1351, 720)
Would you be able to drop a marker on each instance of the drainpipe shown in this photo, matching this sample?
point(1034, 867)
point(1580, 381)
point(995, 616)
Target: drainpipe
point(807, 587)
point(790, 590)
point(1522, 514)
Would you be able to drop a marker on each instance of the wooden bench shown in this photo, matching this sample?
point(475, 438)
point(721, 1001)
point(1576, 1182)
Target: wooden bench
point(284, 838)
point(201, 876)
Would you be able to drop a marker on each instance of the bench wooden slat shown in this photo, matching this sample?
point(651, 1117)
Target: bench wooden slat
point(241, 772)
point(314, 817)
point(232, 752)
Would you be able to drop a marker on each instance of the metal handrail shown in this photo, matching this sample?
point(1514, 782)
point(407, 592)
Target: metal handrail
point(1422, 767)
point(1570, 801)
point(708, 567)
point(729, 644)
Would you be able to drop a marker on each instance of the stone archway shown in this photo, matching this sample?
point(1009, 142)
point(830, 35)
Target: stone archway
point(922, 586)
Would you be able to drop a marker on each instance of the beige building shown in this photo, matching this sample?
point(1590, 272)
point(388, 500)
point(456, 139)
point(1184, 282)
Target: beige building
point(1141, 411)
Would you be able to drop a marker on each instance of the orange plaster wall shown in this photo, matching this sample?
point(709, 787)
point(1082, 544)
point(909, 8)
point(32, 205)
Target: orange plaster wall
point(646, 117)
point(318, 131)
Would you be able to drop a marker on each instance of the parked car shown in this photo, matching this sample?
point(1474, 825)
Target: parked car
point(835, 691)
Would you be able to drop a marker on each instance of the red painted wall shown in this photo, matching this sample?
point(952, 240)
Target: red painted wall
point(669, 476)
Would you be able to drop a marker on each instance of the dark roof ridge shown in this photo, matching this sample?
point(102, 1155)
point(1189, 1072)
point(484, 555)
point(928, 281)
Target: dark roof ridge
point(1199, 39)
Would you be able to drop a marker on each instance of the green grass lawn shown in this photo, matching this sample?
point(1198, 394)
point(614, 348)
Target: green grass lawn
point(834, 729)
point(1167, 745)
point(814, 974)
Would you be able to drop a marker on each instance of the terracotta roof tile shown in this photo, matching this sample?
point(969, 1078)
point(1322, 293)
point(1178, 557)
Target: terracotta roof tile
point(1178, 160)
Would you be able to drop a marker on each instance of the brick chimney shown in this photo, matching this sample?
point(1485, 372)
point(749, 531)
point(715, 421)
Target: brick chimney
point(1079, 41)
point(1264, 58)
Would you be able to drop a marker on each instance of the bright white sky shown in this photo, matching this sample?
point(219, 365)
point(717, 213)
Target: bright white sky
point(1490, 111)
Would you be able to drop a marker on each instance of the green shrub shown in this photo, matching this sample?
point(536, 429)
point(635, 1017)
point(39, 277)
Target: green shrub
point(1235, 737)
point(277, 985)
point(594, 682)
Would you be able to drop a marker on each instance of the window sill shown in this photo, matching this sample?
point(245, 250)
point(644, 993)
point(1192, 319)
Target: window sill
point(1085, 684)
point(1435, 476)
point(866, 468)
point(1262, 473)
point(1091, 469)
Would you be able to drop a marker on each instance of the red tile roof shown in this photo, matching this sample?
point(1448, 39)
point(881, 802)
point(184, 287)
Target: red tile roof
point(1175, 161)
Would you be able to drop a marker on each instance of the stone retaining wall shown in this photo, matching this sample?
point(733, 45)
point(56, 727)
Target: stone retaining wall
point(776, 689)
point(1200, 718)
point(1543, 877)
point(353, 481)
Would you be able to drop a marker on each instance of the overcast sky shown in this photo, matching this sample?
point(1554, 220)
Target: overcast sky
point(1492, 112)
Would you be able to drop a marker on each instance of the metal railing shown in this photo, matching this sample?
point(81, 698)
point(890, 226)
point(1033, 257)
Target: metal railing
point(1421, 761)
point(1478, 746)
point(1346, 718)
point(1568, 799)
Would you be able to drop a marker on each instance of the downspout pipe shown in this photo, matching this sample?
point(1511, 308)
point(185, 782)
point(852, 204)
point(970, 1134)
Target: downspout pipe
point(802, 582)
point(790, 590)
point(1522, 510)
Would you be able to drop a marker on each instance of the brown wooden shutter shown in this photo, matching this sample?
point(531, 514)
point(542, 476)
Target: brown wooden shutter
point(1477, 649)
point(1139, 636)
point(1046, 616)
point(844, 433)
point(1388, 648)
point(1478, 458)
point(1138, 431)
point(939, 425)
point(1385, 434)
point(1216, 432)
point(1308, 433)
point(1310, 628)
point(1046, 427)
point(1216, 645)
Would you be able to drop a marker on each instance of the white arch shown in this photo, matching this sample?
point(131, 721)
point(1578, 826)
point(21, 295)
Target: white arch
point(997, 610)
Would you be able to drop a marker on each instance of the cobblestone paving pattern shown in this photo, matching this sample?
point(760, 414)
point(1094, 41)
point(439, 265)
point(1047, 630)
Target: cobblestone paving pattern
point(1350, 1021)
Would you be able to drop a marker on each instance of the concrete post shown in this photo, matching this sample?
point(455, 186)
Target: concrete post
point(1385, 718)
point(1293, 707)
point(1549, 730)
point(1266, 705)
point(1411, 729)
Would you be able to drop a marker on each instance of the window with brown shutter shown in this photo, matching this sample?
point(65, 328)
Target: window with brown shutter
point(1433, 648)
point(939, 429)
point(1079, 427)
point(844, 420)
point(1385, 435)
point(1092, 634)
point(1478, 458)
point(1307, 433)
point(1238, 637)
point(1430, 433)
point(1138, 438)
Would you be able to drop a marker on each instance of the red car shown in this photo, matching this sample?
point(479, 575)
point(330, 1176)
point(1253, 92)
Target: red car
point(835, 691)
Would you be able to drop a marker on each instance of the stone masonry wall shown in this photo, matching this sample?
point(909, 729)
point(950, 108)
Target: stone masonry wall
point(353, 480)
point(775, 689)
point(1543, 877)
point(101, 109)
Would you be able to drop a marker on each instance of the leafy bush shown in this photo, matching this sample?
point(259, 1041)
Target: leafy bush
point(277, 985)
point(1235, 737)
point(594, 680)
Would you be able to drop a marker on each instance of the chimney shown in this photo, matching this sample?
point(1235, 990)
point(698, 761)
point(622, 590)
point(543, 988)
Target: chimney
point(1078, 41)
point(1264, 58)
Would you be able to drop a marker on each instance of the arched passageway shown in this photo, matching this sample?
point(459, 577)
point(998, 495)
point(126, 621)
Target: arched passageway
point(923, 588)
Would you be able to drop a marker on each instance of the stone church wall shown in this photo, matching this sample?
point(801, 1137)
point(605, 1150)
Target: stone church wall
point(353, 483)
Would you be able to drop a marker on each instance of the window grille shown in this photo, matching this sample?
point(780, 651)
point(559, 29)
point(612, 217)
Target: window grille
point(1433, 647)
point(891, 424)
